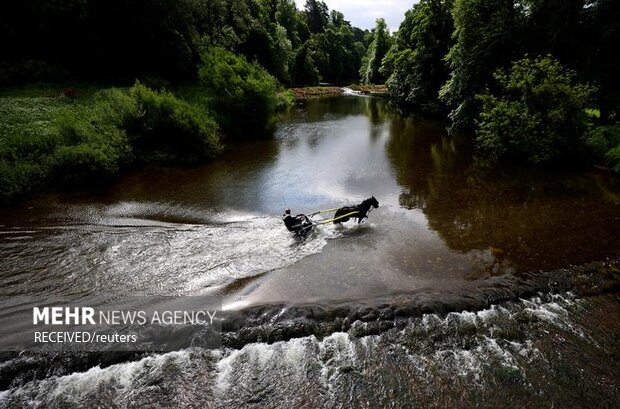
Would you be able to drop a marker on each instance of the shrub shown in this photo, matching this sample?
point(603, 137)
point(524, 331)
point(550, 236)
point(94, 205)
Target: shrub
point(243, 95)
point(605, 141)
point(537, 116)
point(167, 127)
point(139, 123)
point(28, 139)
point(94, 144)
point(46, 141)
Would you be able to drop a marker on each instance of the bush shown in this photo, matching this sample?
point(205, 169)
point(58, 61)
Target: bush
point(243, 95)
point(140, 124)
point(605, 141)
point(164, 126)
point(94, 144)
point(28, 139)
point(46, 141)
point(538, 115)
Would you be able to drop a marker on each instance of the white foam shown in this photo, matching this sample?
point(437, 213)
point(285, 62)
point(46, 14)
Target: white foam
point(505, 357)
point(125, 374)
point(249, 247)
point(76, 386)
point(257, 356)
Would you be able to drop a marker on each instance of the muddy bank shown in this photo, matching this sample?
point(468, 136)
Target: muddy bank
point(304, 93)
point(368, 89)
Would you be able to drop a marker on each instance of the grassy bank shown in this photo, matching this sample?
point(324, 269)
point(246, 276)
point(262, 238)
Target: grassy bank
point(62, 140)
point(65, 136)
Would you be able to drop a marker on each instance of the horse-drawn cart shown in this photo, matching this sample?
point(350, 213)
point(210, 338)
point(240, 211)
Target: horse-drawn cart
point(302, 224)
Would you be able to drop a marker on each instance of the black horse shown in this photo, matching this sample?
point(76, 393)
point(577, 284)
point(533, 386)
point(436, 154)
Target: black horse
point(360, 211)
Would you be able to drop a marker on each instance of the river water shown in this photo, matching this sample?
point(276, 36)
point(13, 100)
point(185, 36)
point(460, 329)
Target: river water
point(452, 293)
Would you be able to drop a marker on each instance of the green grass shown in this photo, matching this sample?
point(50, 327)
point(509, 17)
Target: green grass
point(28, 139)
point(54, 90)
point(50, 141)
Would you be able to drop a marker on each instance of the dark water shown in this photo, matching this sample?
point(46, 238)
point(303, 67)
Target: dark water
point(446, 237)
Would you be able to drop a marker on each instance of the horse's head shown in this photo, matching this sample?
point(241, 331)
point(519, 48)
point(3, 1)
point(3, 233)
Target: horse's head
point(373, 202)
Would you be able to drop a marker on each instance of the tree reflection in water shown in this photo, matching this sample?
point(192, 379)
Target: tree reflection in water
point(534, 219)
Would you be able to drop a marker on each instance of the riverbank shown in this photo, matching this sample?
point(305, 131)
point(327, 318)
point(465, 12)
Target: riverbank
point(305, 93)
point(368, 89)
point(70, 139)
point(73, 136)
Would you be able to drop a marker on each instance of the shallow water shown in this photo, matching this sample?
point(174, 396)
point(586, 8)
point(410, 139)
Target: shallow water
point(446, 237)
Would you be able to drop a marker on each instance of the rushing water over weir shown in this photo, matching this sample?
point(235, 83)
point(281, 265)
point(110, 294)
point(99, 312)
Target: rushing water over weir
point(460, 290)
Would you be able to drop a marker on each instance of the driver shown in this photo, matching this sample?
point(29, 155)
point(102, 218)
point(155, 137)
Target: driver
point(295, 223)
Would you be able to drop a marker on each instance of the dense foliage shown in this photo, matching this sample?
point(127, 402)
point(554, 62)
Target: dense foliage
point(537, 114)
point(227, 58)
point(416, 64)
point(494, 46)
point(238, 89)
point(370, 72)
point(484, 40)
point(125, 39)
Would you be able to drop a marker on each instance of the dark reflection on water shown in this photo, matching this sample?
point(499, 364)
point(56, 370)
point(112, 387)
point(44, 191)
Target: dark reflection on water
point(536, 219)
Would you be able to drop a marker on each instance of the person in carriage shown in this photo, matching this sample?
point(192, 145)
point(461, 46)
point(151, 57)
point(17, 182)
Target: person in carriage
point(300, 224)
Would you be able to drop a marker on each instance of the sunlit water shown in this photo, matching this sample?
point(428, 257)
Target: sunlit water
point(444, 229)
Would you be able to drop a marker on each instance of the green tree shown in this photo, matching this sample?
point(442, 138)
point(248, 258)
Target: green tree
point(238, 89)
point(416, 64)
point(484, 38)
point(317, 15)
point(556, 27)
point(536, 116)
point(370, 71)
point(336, 19)
point(288, 17)
point(604, 61)
point(304, 68)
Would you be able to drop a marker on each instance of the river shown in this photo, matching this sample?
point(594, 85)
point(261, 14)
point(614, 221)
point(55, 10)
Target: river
point(455, 291)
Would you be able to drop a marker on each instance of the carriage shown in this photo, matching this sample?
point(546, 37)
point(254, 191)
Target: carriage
point(301, 224)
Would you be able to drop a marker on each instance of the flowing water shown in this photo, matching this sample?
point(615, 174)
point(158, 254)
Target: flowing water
point(451, 294)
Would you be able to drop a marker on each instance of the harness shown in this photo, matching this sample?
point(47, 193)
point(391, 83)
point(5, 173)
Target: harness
point(304, 223)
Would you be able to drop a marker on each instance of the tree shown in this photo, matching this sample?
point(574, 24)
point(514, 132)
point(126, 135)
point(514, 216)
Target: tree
point(416, 64)
point(287, 16)
point(304, 68)
point(556, 27)
point(536, 116)
point(604, 61)
point(316, 13)
point(336, 19)
point(484, 41)
point(370, 71)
